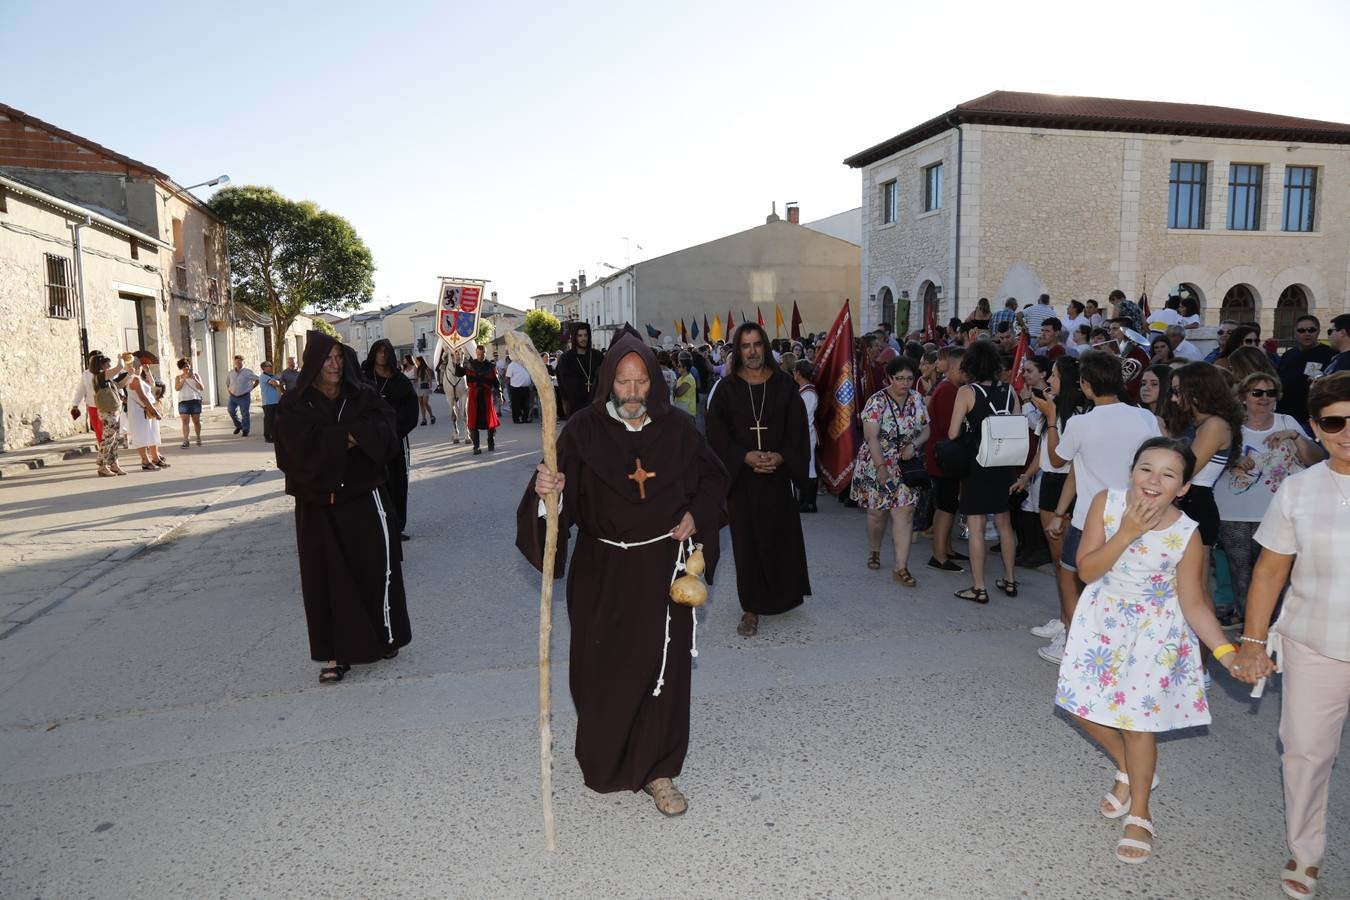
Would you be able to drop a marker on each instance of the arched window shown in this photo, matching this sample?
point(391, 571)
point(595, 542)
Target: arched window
point(887, 301)
point(931, 312)
point(1239, 304)
point(1293, 303)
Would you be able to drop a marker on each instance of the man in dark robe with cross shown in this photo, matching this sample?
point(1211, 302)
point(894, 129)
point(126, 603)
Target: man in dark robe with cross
point(757, 426)
point(578, 370)
point(637, 479)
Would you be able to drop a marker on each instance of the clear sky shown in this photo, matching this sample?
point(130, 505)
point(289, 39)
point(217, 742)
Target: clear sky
point(521, 142)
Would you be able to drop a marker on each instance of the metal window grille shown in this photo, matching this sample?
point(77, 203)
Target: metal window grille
point(1186, 191)
point(932, 188)
point(1244, 197)
point(213, 289)
point(60, 298)
point(1300, 196)
point(180, 276)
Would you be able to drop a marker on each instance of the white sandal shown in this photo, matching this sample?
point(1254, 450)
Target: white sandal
point(1122, 807)
point(1134, 843)
point(1298, 876)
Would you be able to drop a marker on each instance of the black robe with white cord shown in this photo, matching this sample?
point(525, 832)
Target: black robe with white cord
point(618, 600)
point(351, 570)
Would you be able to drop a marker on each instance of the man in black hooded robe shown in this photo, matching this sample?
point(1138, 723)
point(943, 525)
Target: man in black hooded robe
point(381, 369)
point(757, 426)
point(335, 437)
point(633, 469)
point(578, 371)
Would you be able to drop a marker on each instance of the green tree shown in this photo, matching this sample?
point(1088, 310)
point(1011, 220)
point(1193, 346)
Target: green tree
point(544, 329)
point(486, 332)
point(290, 256)
point(322, 325)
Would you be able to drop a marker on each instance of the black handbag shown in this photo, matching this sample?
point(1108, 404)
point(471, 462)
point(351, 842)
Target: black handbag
point(955, 456)
point(912, 471)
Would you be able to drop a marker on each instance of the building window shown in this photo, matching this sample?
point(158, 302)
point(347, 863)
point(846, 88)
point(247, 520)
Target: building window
point(890, 202)
point(60, 300)
point(1186, 195)
point(1300, 196)
point(1293, 303)
point(135, 248)
point(932, 187)
point(1244, 197)
point(1239, 304)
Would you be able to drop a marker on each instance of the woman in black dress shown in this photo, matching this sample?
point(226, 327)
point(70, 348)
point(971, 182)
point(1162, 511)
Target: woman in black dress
point(984, 492)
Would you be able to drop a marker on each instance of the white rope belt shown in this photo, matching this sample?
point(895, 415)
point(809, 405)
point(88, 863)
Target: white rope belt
point(686, 547)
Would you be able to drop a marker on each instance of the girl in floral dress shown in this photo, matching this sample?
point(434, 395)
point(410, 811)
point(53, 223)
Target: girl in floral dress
point(1131, 665)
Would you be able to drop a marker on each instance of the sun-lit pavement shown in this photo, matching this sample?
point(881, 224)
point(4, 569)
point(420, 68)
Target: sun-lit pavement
point(162, 732)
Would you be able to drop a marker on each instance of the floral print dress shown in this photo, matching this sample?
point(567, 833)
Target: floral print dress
point(899, 423)
point(1131, 660)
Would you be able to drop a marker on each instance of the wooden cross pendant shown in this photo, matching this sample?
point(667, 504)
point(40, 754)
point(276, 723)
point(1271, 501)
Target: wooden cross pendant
point(640, 475)
point(757, 428)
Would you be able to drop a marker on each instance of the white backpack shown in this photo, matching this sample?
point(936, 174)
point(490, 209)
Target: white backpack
point(1004, 439)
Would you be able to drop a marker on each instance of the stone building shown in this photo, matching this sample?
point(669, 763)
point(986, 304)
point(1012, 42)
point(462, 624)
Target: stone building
point(63, 268)
point(748, 273)
point(188, 311)
point(1015, 194)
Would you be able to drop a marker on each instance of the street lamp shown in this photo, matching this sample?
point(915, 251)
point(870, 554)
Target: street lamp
point(219, 179)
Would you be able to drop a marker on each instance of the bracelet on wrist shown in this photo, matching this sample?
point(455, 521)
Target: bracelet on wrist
point(1251, 640)
point(1224, 650)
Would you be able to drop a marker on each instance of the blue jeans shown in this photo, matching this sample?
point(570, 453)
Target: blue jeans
point(239, 403)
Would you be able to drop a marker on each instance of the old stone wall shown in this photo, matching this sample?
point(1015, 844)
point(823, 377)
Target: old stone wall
point(41, 364)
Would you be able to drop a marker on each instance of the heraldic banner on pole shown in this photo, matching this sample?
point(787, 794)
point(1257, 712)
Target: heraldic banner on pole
point(837, 412)
point(459, 306)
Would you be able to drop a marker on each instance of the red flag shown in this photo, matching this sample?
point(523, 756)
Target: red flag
point(836, 414)
point(759, 314)
point(1143, 305)
point(707, 332)
point(731, 323)
point(930, 322)
point(796, 322)
point(684, 332)
point(1019, 358)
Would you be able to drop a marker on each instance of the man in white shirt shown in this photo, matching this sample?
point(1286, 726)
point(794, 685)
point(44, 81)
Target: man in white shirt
point(518, 382)
point(1166, 317)
point(240, 382)
point(1099, 446)
point(1182, 348)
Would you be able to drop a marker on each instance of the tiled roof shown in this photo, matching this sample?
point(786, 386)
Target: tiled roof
point(21, 116)
point(1106, 114)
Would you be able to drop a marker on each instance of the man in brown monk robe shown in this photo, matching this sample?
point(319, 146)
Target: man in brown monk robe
point(757, 426)
point(636, 480)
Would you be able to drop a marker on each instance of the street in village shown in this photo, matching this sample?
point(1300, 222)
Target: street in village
point(163, 733)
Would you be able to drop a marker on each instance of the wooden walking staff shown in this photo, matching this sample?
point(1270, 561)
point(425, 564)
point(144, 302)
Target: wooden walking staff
point(522, 351)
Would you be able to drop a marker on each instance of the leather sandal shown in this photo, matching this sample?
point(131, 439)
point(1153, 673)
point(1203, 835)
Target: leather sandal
point(669, 801)
point(1298, 875)
point(903, 576)
point(978, 595)
point(1007, 586)
point(749, 625)
point(1134, 843)
point(874, 560)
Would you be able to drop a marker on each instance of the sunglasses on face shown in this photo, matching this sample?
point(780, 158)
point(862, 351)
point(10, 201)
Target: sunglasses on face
point(1305, 331)
point(1330, 424)
point(1264, 392)
point(1250, 342)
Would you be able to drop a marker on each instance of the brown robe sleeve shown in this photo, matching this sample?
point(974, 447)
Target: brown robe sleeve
point(530, 525)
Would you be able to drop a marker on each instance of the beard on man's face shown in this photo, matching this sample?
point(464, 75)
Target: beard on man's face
point(621, 405)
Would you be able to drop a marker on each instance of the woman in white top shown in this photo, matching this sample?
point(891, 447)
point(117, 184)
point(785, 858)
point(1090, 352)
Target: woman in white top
point(802, 373)
point(1273, 448)
point(143, 418)
point(1303, 540)
point(190, 391)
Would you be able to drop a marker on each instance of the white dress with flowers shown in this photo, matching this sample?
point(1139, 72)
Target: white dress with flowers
point(1131, 661)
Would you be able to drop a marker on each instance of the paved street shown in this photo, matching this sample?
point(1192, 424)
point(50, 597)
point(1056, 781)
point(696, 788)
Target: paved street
point(163, 734)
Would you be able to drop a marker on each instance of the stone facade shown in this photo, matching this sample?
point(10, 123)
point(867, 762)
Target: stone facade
point(123, 298)
point(1077, 213)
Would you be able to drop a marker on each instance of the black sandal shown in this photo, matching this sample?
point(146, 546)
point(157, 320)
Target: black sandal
point(978, 595)
point(333, 674)
point(1007, 586)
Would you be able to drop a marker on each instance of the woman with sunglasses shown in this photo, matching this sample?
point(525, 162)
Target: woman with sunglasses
point(1273, 448)
point(1240, 336)
point(1303, 541)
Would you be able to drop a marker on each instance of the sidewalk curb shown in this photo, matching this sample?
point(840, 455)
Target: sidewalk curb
point(111, 561)
point(27, 464)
